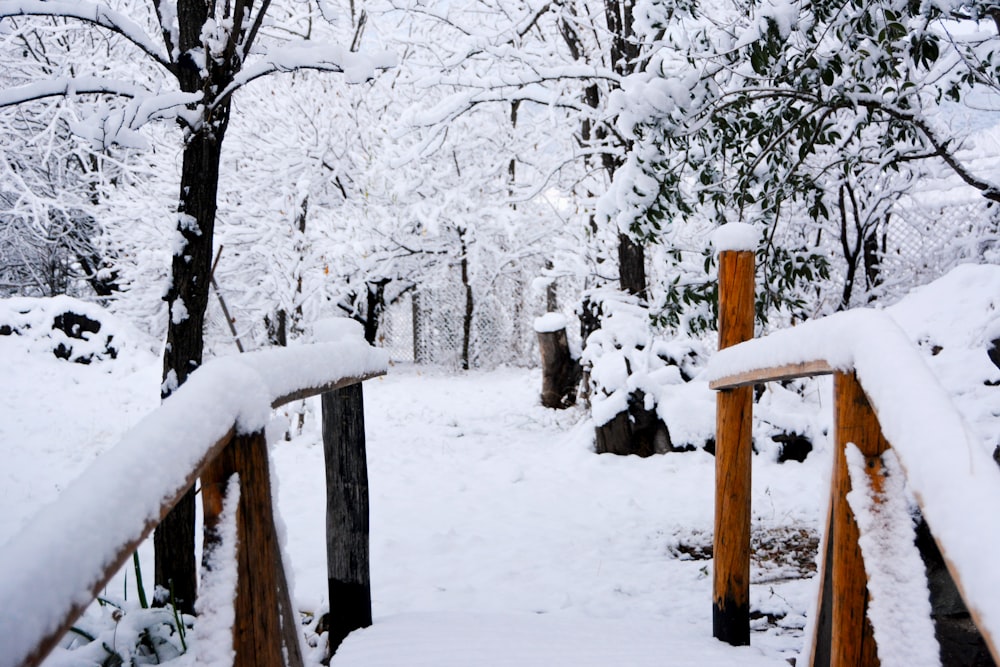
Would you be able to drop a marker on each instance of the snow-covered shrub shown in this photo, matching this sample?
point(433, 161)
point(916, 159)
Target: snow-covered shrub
point(645, 388)
point(634, 375)
point(65, 327)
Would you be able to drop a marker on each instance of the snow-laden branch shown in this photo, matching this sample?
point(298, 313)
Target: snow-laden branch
point(143, 107)
point(356, 67)
point(66, 86)
point(89, 12)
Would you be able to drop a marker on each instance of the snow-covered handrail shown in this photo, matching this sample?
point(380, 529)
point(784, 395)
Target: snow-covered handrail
point(58, 563)
point(954, 480)
point(948, 471)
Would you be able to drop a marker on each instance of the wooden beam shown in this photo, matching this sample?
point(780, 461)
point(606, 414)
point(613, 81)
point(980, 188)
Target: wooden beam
point(773, 374)
point(257, 628)
point(347, 514)
point(731, 542)
point(299, 394)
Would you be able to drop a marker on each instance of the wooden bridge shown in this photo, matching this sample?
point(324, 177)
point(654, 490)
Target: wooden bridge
point(212, 429)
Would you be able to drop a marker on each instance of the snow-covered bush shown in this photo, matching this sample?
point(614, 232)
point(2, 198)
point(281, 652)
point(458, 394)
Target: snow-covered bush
point(631, 373)
point(645, 389)
point(65, 327)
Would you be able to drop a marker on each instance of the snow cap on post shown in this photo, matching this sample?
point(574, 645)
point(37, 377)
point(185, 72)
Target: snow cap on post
point(336, 329)
point(550, 322)
point(736, 236)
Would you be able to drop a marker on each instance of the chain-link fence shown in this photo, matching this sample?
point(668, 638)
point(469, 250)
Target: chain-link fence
point(924, 242)
point(427, 325)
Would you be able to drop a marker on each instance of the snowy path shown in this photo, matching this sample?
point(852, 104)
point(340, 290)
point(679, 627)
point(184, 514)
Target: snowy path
point(499, 538)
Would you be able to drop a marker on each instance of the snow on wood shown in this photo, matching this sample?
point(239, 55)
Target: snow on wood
point(213, 633)
point(899, 606)
point(735, 236)
point(58, 560)
point(953, 477)
point(550, 322)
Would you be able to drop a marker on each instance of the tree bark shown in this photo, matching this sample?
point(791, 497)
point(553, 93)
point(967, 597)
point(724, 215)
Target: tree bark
point(374, 305)
point(467, 316)
point(347, 523)
point(187, 297)
point(631, 266)
point(560, 371)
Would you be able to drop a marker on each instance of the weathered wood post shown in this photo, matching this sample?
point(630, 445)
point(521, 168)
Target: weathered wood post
point(731, 574)
point(851, 637)
point(560, 371)
point(347, 529)
point(265, 630)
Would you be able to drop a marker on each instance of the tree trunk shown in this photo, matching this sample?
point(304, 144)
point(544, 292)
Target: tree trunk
point(347, 524)
point(467, 316)
point(188, 300)
point(418, 356)
point(375, 304)
point(560, 371)
point(631, 266)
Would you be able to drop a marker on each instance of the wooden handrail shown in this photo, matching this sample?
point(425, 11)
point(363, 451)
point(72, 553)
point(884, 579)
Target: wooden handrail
point(773, 374)
point(41, 595)
point(875, 408)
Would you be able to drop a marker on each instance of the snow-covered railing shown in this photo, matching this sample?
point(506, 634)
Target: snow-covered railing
point(892, 419)
point(212, 427)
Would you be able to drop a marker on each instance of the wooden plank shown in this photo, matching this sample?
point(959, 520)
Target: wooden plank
point(773, 374)
point(299, 394)
point(257, 636)
point(852, 640)
point(817, 650)
point(733, 451)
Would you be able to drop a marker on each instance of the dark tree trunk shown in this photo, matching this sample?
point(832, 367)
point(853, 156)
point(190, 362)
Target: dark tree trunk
point(873, 259)
point(188, 300)
point(467, 316)
point(347, 524)
point(375, 305)
point(560, 371)
point(187, 297)
point(277, 328)
point(418, 346)
point(631, 266)
point(636, 431)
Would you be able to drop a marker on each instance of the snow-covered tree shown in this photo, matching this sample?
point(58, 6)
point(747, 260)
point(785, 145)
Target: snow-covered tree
point(808, 118)
point(187, 58)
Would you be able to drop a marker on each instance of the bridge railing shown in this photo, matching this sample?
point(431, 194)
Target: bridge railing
point(891, 418)
point(211, 428)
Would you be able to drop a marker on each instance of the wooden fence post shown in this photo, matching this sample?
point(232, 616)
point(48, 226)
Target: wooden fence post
point(347, 533)
point(264, 629)
point(731, 572)
point(851, 637)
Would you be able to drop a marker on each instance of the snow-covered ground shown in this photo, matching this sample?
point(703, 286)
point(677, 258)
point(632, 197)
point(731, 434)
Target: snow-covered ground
point(498, 536)
point(494, 525)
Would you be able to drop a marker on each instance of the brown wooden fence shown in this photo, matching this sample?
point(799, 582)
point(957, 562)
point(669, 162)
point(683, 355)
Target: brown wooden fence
point(212, 429)
point(843, 634)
